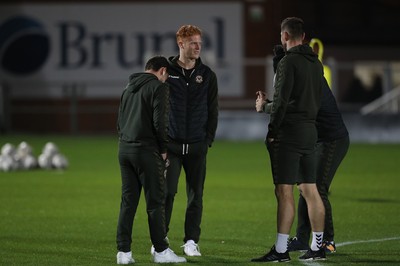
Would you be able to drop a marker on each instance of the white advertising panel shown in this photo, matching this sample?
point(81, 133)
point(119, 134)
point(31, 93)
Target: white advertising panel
point(45, 47)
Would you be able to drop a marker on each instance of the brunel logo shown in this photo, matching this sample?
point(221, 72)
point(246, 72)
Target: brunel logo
point(24, 45)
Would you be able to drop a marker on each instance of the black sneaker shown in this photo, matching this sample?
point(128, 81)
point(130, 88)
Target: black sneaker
point(314, 255)
point(273, 256)
point(294, 244)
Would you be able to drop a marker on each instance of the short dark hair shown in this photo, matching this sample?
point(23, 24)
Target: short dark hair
point(294, 26)
point(157, 62)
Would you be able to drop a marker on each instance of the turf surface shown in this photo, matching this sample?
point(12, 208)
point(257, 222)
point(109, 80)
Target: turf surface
point(50, 217)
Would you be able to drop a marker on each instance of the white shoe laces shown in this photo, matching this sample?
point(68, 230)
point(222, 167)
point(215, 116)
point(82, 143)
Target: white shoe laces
point(192, 246)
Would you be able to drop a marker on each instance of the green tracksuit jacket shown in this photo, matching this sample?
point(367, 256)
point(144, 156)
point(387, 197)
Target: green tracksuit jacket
point(298, 86)
point(143, 113)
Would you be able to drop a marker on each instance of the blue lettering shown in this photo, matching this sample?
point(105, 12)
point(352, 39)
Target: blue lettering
point(158, 40)
point(74, 54)
point(97, 40)
point(220, 37)
point(68, 45)
point(121, 51)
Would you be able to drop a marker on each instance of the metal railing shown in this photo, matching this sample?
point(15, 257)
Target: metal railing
point(73, 92)
point(388, 103)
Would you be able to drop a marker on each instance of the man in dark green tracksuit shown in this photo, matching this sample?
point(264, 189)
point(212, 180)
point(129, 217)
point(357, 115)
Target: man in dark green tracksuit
point(143, 128)
point(192, 127)
point(332, 145)
point(292, 137)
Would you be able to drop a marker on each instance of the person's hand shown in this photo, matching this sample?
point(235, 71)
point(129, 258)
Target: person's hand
point(262, 95)
point(260, 101)
point(165, 158)
point(259, 105)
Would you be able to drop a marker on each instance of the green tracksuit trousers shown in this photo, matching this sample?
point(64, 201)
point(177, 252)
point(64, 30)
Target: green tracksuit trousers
point(142, 168)
point(192, 157)
point(330, 155)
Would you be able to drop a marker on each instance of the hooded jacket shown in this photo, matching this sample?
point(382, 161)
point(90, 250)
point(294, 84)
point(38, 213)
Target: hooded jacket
point(329, 122)
point(298, 86)
point(193, 103)
point(143, 113)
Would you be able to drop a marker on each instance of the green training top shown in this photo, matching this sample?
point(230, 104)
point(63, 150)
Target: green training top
point(143, 113)
point(298, 86)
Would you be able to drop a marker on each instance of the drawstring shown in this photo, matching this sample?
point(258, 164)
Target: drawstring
point(185, 149)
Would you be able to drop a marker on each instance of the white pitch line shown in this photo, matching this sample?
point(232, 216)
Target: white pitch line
point(351, 243)
point(367, 241)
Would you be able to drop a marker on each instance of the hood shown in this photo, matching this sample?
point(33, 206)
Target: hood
point(137, 80)
point(174, 61)
point(304, 50)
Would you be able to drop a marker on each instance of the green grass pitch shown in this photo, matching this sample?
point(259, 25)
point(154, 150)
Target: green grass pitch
point(50, 217)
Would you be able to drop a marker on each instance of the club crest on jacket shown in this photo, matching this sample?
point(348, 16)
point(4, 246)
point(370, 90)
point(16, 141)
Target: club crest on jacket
point(199, 79)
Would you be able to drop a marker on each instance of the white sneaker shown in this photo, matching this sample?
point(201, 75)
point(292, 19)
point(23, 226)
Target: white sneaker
point(125, 257)
point(167, 256)
point(191, 249)
point(152, 249)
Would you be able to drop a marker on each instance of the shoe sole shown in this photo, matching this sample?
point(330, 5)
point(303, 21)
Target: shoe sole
point(161, 262)
point(282, 260)
point(330, 251)
point(300, 250)
point(168, 261)
point(191, 255)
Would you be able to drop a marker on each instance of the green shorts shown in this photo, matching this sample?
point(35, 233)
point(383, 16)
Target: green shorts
point(289, 156)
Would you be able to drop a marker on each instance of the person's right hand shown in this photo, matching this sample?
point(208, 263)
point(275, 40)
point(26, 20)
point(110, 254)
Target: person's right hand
point(260, 101)
point(262, 95)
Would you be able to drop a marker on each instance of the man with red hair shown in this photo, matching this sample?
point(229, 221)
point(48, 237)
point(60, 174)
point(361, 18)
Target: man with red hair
point(192, 125)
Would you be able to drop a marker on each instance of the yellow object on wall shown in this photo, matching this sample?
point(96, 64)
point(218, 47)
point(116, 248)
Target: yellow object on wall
point(316, 43)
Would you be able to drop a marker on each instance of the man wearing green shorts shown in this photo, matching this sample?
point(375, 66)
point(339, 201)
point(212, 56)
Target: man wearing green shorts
point(332, 145)
point(292, 138)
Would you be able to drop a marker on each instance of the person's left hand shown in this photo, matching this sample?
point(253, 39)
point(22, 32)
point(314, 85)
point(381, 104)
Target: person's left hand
point(165, 158)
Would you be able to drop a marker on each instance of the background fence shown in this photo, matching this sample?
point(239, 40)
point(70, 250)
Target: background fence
point(371, 111)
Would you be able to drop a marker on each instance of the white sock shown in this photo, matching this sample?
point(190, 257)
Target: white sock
point(281, 243)
point(316, 242)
